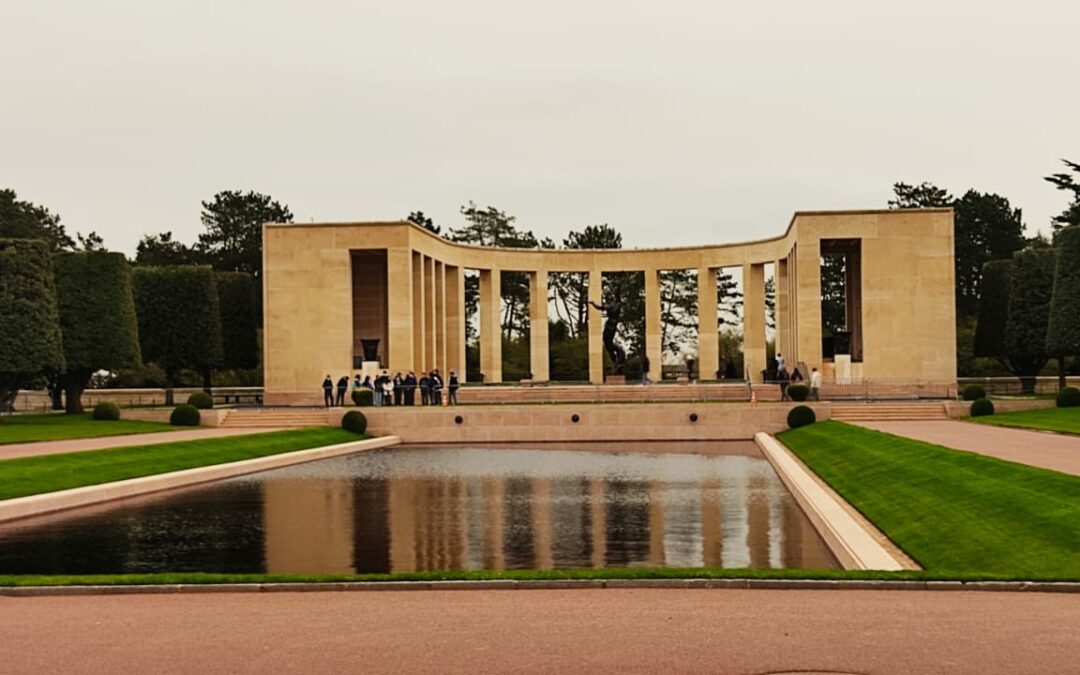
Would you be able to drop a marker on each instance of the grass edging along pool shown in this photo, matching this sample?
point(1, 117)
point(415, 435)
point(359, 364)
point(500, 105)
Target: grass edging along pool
point(37, 504)
point(956, 513)
point(853, 543)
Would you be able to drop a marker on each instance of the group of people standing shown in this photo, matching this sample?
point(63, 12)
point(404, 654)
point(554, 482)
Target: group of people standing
point(396, 390)
point(784, 378)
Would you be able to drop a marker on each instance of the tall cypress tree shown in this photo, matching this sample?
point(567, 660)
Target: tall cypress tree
point(97, 318)
point(179, 319)
point(1030, 291)
point(1063, 333)
point(30, 339)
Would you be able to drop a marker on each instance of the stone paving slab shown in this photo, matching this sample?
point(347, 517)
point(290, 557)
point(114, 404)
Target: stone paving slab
point(40, 448)
point(544, 631)
point(1049, 451)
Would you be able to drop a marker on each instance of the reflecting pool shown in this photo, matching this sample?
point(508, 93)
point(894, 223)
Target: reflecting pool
point(431, 508)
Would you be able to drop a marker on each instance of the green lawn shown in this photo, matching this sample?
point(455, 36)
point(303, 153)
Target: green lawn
point(58, 427)
point(34, 475)
point(956, 513)
point(1064, 420)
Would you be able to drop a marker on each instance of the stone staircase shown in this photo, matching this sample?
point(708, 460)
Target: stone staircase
point(883, 412)
point(276, 417)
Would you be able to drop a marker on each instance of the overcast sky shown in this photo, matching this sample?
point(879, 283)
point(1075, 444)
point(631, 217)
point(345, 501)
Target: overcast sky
point(676, 122)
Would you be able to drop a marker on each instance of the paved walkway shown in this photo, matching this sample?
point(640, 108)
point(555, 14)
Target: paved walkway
point(545, 631)
point(1050, 451)
point(100, 443)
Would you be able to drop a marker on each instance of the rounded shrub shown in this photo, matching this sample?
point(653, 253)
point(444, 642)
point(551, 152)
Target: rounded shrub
point(107, 410)
point(201, 400)
point(798, 392)
point(363, 397)
point(354, 421)
point(185, 415)
point(1068, 397)
point(973, 392)
point(800, 416)
point(982, 407)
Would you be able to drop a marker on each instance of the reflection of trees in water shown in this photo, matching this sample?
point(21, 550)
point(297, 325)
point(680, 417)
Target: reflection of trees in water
point(371, 525)
point(518, 524)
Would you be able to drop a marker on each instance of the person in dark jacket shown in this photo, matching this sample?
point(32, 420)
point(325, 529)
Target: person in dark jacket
point(425, 389)
point(784, 379)
point(399, 388)
point(436, 387)
point(328, 391)
point(342, 387)
point(455, 384)
point(410, 388)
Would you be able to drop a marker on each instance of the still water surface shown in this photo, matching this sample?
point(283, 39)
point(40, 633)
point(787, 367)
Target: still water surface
point(412, 509)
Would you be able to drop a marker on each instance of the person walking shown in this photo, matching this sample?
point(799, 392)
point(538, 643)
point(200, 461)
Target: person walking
point(342, 387)
point(783, 378)
point(455, 384)
point(436, 387)
point(410, 389)
point(357, 385)
point(328, 391)
point(645, 370)
point(815, 384)
point(780, 362)
point(399, 388)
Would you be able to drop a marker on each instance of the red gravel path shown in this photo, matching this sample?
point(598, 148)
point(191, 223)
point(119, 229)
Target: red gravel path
point(548, 631)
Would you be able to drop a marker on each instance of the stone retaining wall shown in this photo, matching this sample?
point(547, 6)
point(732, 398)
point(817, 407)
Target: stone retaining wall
point(554, 422)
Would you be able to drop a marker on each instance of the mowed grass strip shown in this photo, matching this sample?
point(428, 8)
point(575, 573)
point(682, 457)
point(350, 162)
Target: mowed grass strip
point(955, 512)
point(59, 427)
point(49, 473)
point(1062, 420)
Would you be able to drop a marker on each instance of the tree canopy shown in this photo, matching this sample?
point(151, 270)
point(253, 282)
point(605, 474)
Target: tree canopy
point(1031, 288)
point(24, 220)
point(425, 222)
point(30, 340)
point(179, 318)
point(97, 318)
point(162, 249)
point(238, 301)
point(233, 238)
point(1063, 331)
point(1069, 183)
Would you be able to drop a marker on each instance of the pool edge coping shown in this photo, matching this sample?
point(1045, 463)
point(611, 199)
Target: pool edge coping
point(539, 584)
point(855, 542)
point(62, 500)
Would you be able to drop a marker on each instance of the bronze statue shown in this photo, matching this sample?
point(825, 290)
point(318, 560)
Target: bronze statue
point(612, 309)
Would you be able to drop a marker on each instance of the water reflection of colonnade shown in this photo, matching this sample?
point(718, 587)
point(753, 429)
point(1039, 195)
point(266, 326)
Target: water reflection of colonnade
point(420, 523)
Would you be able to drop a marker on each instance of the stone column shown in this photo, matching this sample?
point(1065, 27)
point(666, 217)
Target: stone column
point(429, 312)
point(538, 325)
point(399, 307)
point(783, 326)
point(419, 322)
point(440, 318)
point(708, 337)
point(653, 331)
point(455, 321)
point(754, 320)
point(596, 329)
point(490, 325)
point(808, 299)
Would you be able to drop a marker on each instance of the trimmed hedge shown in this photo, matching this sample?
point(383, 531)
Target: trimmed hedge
point(973, 392)
point(364, 398)
point(798, 392)
point(982, 407)
point(107, 410)
point(201, 400)
point(800, 416)
point(354, 421)
point(29, 320)
point(1068, 397)
point(185, 415)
